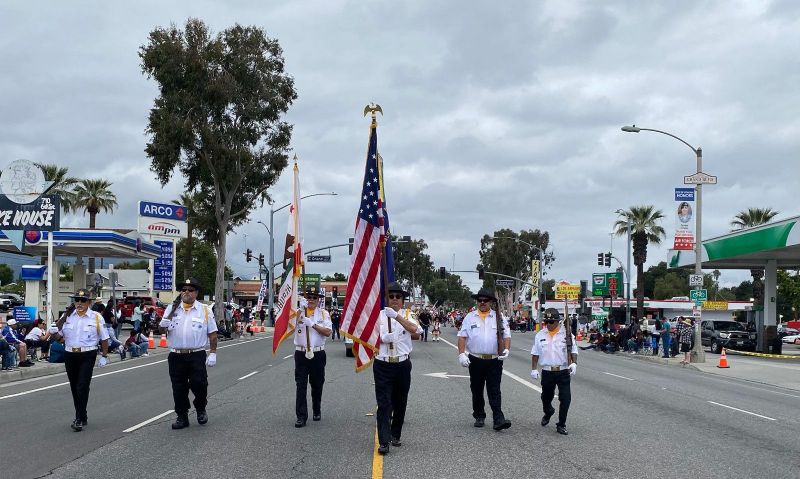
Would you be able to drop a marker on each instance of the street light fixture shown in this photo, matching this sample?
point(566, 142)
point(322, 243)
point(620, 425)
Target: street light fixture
point(698, 355)
point(628, 271)
point(271, 230)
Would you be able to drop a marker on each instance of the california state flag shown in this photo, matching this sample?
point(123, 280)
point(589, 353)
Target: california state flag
point(287, 303)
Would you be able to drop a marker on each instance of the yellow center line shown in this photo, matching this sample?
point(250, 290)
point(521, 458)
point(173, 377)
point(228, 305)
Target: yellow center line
point(377, 459)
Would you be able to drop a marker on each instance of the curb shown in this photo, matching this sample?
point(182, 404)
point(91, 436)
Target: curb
point(658, 360)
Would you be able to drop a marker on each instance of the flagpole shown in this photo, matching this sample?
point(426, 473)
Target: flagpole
point(384, 268)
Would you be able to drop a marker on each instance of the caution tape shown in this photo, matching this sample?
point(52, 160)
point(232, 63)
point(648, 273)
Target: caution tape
point(763, 355)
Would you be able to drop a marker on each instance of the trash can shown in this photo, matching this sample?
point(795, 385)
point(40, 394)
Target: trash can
point(772, 342)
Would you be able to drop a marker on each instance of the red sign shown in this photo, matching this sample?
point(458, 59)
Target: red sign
point(684, 242)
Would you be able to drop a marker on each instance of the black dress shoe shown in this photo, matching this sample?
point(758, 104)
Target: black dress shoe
point(561, 429)
point(300, 423)
point(202, 417)
point(180, 423)
point(478, 422)
point(504, 424)
point(317, 417)
point(546, 417)
point(383, 449)
point(396, 442)
point(77, 425)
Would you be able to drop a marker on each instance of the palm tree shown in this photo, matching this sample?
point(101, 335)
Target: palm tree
point(644, 229)
point(747, 219)
point(190, 200)
point(92, 196)
point(62, 184)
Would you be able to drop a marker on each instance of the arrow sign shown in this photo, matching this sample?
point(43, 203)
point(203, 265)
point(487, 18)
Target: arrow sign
point(444, 375)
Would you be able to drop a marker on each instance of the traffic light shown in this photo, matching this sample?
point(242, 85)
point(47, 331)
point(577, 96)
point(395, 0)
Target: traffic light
point(261, 259)
point(607, 260)
point(480, 272)
point(599, 259)
point(350, 246)
point(249, 255)
point(443, 272)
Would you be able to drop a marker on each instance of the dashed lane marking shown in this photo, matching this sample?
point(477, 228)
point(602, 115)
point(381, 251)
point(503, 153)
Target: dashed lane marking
point(741, 410)
point(618, 376)
point(152, 419)
point(247, 375)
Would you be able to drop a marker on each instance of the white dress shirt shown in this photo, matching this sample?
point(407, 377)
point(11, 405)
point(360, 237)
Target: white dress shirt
point(34, 334)
point(481, 334)
point(321, 317)
point(552, 350)
point(190, 328)
point(83, 331)
point(403, 345)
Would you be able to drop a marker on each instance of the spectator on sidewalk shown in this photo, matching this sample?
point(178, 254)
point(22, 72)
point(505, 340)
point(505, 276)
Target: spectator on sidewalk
point(7, 355)
point(136, 344)
point(17, 342)
point(666, 338)
point(38, 338)
point(137, 317)
point(685, 337)
point(57, 350)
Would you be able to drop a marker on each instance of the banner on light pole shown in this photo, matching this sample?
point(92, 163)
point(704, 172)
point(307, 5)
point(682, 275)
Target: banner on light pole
point(684, 219)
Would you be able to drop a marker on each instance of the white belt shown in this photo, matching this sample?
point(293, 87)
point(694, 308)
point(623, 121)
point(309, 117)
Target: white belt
point(303, 348)
point(82, 349)
point(392, 359)
point(554, 368)
point(185, 351)
point(484, 356)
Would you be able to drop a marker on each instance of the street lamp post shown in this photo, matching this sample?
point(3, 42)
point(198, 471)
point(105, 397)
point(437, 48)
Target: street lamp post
point(271, 230)
point(698, 355)
point(627, 272)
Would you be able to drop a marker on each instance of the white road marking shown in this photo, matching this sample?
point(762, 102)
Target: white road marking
point(23, 393)
point(511, 375)
point(444, 375)
point(618, 376)
point(145, 423)
point(741, 410)
point(289, 356)
point(247, 375)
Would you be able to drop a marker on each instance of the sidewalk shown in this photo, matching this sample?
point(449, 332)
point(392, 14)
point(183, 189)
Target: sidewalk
point(43, 368)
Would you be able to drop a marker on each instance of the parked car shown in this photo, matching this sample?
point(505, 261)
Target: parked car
point(726, 334)
point(786, 331)
point(148, 303)
point(791, 339)
point(10, 300)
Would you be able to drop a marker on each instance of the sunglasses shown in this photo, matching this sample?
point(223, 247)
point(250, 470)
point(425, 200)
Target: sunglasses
point(82, 300)
point(395, 296)
point(484, 300)
point(550, 321)
point(188, 290)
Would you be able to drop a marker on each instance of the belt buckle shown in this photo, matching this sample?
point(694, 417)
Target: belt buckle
point(394, 359)
point(555, 368)
point(76, 350)
point(486, 356)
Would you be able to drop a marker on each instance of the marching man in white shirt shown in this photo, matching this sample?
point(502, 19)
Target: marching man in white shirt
point(190, 327)
point(83, 330)
point(392, 367)
point(479, 336)
point(550, 352)
point(314, 326)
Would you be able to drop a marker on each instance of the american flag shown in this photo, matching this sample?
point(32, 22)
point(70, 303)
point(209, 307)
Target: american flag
point(363, 303)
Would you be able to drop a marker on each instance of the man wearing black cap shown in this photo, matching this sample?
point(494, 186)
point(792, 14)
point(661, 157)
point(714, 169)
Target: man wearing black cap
point(392, 367)
point(550, 351)
point(83, 330)
point(478, 334)
point(190, 326)
point(313, 327)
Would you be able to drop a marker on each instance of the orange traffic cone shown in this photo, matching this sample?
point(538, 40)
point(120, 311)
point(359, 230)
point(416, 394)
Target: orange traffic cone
point(151, 343)
point(163, 342)
point(580, 336)
point(262, 328)
point(253, 327)
point(723, 360)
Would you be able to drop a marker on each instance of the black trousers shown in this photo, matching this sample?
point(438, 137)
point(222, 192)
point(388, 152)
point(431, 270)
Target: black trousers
point(188, 373)
point(425, 332)
point(79, 368)
point(485, 373)
point(392, 382)
point(335, 331)
point(551, 379)
point(305, 371)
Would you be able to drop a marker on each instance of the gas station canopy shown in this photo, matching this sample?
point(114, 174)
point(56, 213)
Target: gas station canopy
point(92, 243)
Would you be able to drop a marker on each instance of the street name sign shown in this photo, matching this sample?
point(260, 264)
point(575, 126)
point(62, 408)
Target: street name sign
point(318, 258)
point(504, 282)
point(700, 178)
point(695, 280)
point(698, 295)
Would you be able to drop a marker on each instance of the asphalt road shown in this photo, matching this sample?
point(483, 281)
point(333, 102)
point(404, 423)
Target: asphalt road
point(628, 419)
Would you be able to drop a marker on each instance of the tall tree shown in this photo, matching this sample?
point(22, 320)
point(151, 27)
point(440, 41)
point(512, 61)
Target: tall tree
point(449, 292)
point(62, 184)
point(6, 274)
point(412, 265)
point(645, 229)
point(499, 254)
point(204, 263)
point(218, 120)
point(93, 196)
point(747, 219)
point(190, 200)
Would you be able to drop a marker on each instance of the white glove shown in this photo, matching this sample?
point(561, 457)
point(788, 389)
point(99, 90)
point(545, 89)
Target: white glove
point(389, 312)
point(572, 369)
point(103, 361)
point(505, 354)
point(389, 337)
point(165, 323)
point(211, 360)
point(53, 329)
point(303, 303)
point(463, 359)
point(534, 374)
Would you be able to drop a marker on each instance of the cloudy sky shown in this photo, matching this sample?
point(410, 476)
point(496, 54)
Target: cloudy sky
point(497, 114)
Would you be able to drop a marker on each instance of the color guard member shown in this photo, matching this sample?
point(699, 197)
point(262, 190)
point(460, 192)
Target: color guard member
point(313, 327)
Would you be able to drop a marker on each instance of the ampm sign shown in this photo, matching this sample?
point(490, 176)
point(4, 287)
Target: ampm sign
point(163, 211)
point(684, 194)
